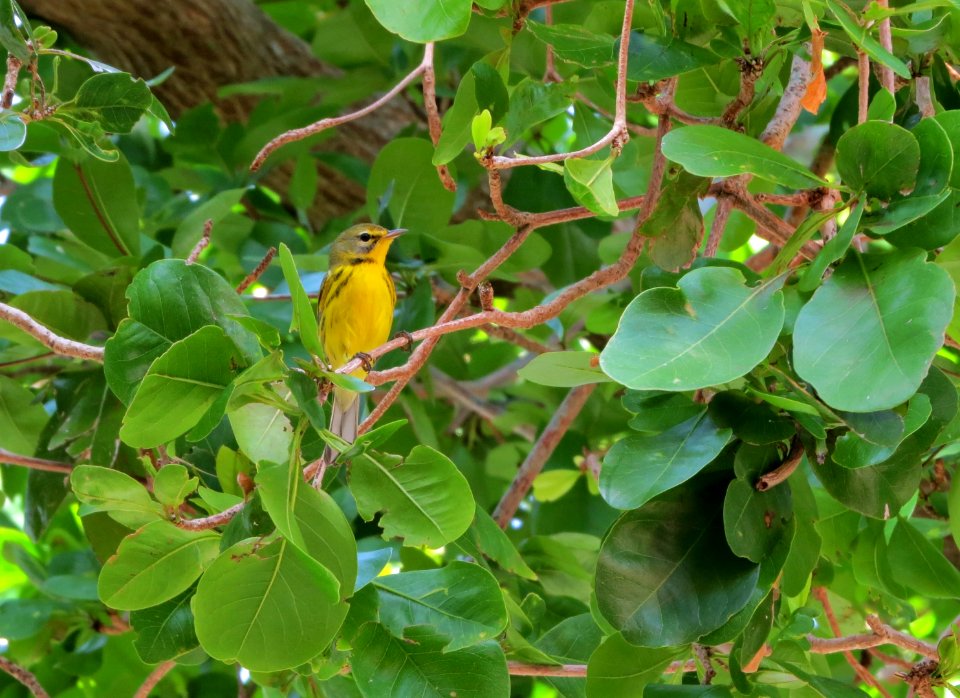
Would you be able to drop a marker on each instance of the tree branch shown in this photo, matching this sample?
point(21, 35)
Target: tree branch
point(541, 452)
point(720, 218)
point(433, 114)
point(784, 470)
point(252, 277)
point(618, 134)
point(23, 676)
point(863, 82)
point(154, 678)
point(34, 463)
point(313, 129)
point(54, 342)
point(886, 40)
point(207, 522)
point(790, 106)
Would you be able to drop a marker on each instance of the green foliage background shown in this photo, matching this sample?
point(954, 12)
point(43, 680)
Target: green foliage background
point(649, 541)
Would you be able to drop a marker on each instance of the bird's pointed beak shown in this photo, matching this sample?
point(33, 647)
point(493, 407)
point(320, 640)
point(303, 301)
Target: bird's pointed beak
point(394, 234)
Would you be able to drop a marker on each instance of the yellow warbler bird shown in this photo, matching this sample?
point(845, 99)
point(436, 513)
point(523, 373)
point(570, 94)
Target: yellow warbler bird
point(356, 312)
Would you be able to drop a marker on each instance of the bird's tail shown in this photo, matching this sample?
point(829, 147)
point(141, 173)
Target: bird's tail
point(344, 420)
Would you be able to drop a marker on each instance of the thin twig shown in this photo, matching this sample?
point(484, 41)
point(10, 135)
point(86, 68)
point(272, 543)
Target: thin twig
point(900, 639)
point(886, 40)
point(433, 114)
point(34, 463)
point(212, 521)
point(23, 676)
point(857, 667)
point(313, 129)
point(750, 72)
point(618, 134)
point(154, 678)
point(54, 342)
point(523, 669)
point(253, 276)
point(784, 470)
point(720, 218)
point(201, 243)
point(10, 81)
point(541, 452)
point(790, 106)
point(863, 79)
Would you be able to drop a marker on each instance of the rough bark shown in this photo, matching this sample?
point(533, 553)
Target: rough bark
point(212, 43)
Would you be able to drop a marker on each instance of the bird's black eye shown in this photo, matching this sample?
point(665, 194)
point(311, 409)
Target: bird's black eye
point(365, 237)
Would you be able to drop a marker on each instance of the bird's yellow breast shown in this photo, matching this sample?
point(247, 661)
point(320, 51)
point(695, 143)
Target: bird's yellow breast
point(356, 310)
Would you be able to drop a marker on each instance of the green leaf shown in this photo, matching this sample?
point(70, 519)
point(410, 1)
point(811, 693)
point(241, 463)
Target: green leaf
point(671, 544)
point(879, 158)
point(711, 329)
point(165, 631)
point(103, 489)
point(490, 91)
point(425, 500)
point(553, 484)
point(461, 602)
point(309, 519)
point(404, 182)
point(13, 132)
point(756, 522)
point(304, 319)
point(950, 122)
point(861, 37)
point(573, 43)
point(564, 369)
point(639, 467)
point(867, 337)
point(22, 418)
point(269, 607)
point(712, 151)
point(591, 184)
point(531, 102)
point(833, 250)
point(751, 421)
point(384, 665)
point(657, 411)
point(170, 300)
point(179, 388)
point(263, 431)
point(936, 157)
point(214, 209)
point(457, 122)
point(98, 202)
point(619, 669)
point(155, 564)
point(676, 225)
point(920, 566)
point(491, 541)
point(172, 484)
point(116, 100)
point(420, 22)
point(654, 57)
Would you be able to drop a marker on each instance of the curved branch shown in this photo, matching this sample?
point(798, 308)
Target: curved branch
point(212, 521)
point(33, 463)
point(54, 342)
point(154, 678)
point(24, 677)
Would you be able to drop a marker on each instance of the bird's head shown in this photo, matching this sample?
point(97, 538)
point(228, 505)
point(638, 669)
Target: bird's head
point(363, 243)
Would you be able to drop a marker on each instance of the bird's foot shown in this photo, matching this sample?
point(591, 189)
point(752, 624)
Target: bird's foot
point(365, 359)
point(408, 338)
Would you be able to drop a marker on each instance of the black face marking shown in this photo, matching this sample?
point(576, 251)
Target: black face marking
point(361, 260)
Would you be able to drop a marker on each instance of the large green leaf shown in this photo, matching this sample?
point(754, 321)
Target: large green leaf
point(116, 100)
point(309, 519)
point(756, 522)
point(405, 183)
point(263, 431)
point(920, 565)
point(712, 151)
point(879, 158)
point(98, 201)
point(170, 300)
point(304, 318)
point(641, 466)
point(564, 369)
point(591, 184)
point(619, 669)
point(711, 329)
point(425, 20)
point(22, 418)
point(165, 631)
point(575, 44)
point(269, 607)
point(118, 494)
point(667, 545)
point(180, 387)
point(425, 500)
point(652, 57)
point(386, 666)
point(867, 337)
point(460, 602)
point(155, 564)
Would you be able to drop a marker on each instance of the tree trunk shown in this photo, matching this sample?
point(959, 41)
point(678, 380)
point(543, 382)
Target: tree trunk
point(213, 43)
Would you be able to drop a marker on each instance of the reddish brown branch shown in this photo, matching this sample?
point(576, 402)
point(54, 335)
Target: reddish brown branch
point(23, 676)
point(541, 452)
point(886, 40)
point(313, 129)
point(212, 521)
point(790, 106)
point(900, 639)
point(784, 470)
point(863, 82)
point(201, 243)
point(154, 678)
point(433, 114)
point(720, 218)
point(34, 463)
point(750, 72)
point(571, 670)
point(253, 276)
point(54, 342)
point(10, 81)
